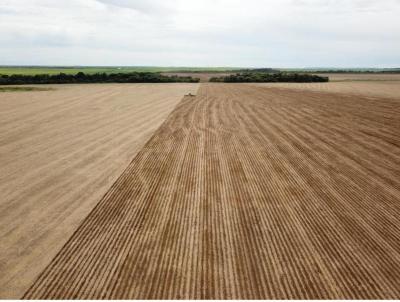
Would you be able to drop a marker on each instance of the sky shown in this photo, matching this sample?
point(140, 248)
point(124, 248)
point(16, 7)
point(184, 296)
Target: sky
point(236, 33)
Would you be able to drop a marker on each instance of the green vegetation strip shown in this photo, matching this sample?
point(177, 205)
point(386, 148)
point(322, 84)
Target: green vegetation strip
point(262, 77)
point(54, 70)
point(34, 70)
point(80, 77)
point(12, 89)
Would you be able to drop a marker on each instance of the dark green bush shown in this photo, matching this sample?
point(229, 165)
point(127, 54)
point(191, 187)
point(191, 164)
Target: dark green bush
point(80, 77)
point(261, 77)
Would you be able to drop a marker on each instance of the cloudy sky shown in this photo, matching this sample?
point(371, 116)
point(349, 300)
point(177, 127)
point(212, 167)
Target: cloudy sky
point(252, 33)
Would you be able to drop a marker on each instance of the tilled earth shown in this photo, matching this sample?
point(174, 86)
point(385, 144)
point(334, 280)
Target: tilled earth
point(60, 151)
point(247, 192)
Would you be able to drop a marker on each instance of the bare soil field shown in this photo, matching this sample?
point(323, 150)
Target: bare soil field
point(374, 85)
point(60, 151)
point(362, 76)
point(247, 192)
point(374, 89)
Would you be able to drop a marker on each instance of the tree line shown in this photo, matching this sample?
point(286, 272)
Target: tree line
point(262, 77)
point(81, 77)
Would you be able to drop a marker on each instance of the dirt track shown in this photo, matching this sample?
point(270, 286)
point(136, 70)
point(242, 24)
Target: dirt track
point(248, 192)
point(60, 151)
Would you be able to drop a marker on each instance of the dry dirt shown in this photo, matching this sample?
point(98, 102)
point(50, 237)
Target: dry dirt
point(371, 85)
point(60, 151)
point(247, 192)
point(362, 76)
point(378, 89)
point(374, 85)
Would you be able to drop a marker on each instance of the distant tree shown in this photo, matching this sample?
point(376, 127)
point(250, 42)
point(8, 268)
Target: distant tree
point(262, 77)
point(80, 77)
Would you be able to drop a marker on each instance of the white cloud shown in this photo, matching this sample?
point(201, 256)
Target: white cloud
point(194, 33)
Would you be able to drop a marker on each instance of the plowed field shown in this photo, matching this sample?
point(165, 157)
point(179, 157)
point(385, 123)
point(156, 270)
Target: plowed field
point(367, 88)
point(60, 151)
point(247, 192)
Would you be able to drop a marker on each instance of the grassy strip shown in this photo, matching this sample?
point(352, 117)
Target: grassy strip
point(12, 89)
point(34, 70)
point(53, 70)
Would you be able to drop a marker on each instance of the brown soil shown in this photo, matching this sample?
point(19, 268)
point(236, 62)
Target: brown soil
point(60, 151)
point(247, 192)
point(371, 85)
point(362, 76)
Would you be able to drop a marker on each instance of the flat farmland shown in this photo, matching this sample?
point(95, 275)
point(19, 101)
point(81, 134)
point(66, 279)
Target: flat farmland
point(60, 151)
point(246, 191)
point(369, 85)
point(340, 77)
